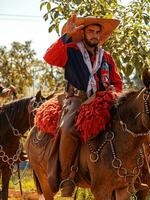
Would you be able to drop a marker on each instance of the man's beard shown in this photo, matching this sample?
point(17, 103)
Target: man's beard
point(90, 44)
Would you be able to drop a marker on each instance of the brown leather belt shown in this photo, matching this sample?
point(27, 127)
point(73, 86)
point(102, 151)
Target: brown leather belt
point(72, 91)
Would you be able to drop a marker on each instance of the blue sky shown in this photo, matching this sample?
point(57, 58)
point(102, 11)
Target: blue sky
point(21, 20)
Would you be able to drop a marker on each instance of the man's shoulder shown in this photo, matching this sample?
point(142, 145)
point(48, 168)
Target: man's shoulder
point(72, 45)
point(107, 53)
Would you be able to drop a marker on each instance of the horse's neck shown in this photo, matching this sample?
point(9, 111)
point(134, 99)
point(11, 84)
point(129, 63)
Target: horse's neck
point(124, 144)
point(15, 115)
point(127, 125)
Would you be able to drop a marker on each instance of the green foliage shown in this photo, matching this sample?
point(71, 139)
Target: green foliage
point(20, 68)
point(128, 44)
point(15, 65)
point(26, 181)
point(86, 194)
point(49, 78)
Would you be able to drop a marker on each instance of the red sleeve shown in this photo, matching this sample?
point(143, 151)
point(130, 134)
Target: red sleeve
point(115, 78)
point(56, 54)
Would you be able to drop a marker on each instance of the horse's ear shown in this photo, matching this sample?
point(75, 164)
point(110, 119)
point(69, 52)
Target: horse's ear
point(146, 77)
point(38, 95)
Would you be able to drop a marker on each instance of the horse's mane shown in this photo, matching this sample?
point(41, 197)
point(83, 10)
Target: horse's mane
point(123, 100)
point(14, 107)
point(125, 96)
point(12, 111)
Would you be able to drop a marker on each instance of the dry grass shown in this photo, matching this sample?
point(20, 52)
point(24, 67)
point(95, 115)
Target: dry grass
point(29, 190)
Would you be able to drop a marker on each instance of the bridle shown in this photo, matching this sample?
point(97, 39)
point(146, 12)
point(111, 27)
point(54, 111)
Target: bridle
point(146, 96)
point(33, 105)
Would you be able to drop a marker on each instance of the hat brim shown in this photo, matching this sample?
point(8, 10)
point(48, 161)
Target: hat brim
point(108, 26)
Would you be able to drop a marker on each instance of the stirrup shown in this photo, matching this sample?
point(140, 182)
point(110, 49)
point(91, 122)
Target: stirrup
point(67, 180)
point(141, 186)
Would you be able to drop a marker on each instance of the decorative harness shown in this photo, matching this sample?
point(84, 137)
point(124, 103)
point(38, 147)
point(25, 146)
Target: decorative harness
point(33, 105)
point(116, 162)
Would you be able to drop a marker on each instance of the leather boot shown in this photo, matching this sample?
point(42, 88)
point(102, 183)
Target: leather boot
point(69, 144)
point(68, 168)
point(53, 165)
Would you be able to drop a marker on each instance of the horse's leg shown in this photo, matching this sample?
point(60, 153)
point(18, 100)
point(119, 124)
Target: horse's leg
point(113, 196)
point(141, 195)
point(117, 195)
point(102, 196)
point(101, 193)
point(122, 194)
point(6, 174)
point(41, 197)
point(43, 181)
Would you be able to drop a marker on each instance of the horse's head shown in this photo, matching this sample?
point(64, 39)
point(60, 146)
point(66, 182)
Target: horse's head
point(35, 102)
point(134, 108)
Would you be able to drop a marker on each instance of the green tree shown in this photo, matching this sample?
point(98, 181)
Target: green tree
point(128, 44)
point(18, 66)
point(15, 65)
point(49, 78)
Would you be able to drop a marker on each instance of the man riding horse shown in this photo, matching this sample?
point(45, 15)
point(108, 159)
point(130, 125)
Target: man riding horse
point(88, 69)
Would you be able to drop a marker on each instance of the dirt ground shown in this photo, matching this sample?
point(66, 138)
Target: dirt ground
point(16, 195)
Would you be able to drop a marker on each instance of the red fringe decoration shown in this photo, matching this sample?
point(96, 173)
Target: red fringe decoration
point(47, 116)
point(94, 116)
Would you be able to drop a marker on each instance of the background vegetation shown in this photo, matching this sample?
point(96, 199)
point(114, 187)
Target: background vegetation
point(20, 67)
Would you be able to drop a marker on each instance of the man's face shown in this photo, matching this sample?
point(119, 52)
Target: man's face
point(91, 35)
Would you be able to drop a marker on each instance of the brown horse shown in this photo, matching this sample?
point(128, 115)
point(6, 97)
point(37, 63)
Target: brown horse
point(15, 119)
point(144, 177)
point(145, 172)
point(112, 160)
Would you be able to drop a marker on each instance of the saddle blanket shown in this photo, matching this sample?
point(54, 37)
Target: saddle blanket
point(91, 118)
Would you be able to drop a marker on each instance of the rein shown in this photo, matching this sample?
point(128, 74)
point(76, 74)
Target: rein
point(14, 130)
point(125, 129)
point(11, 161)
point(146, 96)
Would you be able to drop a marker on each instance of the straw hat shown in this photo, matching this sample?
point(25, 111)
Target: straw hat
point(108, 26)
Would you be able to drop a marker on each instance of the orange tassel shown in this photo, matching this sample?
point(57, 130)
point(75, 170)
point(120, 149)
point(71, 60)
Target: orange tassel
point(93, 117)
point(47, 116)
